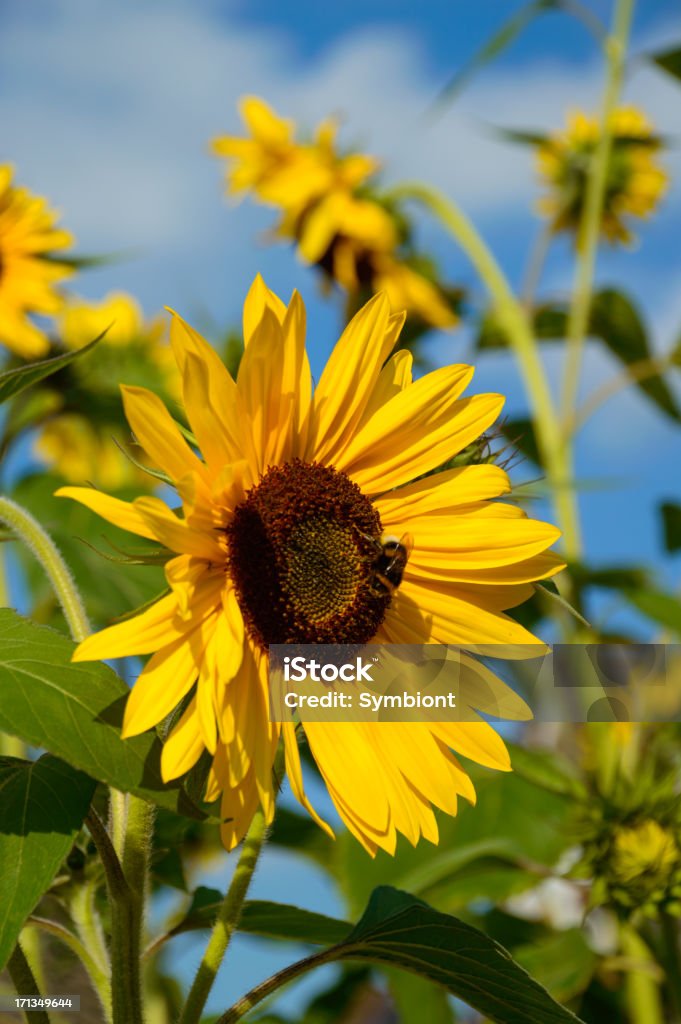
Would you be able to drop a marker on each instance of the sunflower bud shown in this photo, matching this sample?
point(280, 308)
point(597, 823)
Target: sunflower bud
point(635, 182)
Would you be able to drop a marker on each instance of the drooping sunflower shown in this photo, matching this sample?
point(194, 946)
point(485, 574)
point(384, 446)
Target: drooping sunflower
point(275, 543)
point(331, 210)
point(28, 273)
point(635, 181)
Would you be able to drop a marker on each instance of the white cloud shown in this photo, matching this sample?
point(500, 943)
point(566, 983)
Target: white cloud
point(108, 109)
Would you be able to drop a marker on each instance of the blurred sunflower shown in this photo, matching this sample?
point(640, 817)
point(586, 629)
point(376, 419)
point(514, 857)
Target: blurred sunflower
point(276, 543)
point(28, 272)
point(330, 211)
point(76, 441)
point(635, 181)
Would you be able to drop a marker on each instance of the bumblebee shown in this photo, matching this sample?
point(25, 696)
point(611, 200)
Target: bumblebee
point(392, 560)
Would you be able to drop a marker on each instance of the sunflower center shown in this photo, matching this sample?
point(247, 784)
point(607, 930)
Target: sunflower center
point(303, 555)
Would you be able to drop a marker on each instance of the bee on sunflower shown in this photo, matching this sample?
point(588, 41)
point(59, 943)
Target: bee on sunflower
point(276, 543)
point(635, 181)
point(29, 270)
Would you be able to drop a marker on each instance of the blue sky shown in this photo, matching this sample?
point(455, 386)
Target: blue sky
point(107, 108)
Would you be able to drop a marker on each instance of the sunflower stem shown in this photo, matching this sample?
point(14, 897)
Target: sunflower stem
point(127, 900)
point(227, 921)
point(4, 584)
point(672, 961)
point(24, 982)
point(590, 224)
point(90, 945)
point(45, 550)
point(642, 990)
point(98, 976)
point(271, 984)
point(535, 268)
point(513, 319)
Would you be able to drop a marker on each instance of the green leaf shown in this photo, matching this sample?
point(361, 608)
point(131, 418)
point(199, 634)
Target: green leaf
point(75, 711)
point(616, 577)
point(671, 524)
point(262, 917)
point(562, 962)
point(521, 137)
point(495, 45)
point(615, 319)
point(418, 999)
point(545, 769)
point(482, 853)
point(658, 606)
point(399, 930)
point(13, 382)
point(43, 804)
point(669, 61)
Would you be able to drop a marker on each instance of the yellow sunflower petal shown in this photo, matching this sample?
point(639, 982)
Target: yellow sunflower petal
point(259, 299)
point(417, 431)
point(295, 774)
point(154, 428)
point(175, 533)
point(393, 378)
point(183, 747)
point(456, 619)
point(167, 677)
point(348, 379)
point(120, 513)
point(442, 493)
point(151, 629)
point(481, 541)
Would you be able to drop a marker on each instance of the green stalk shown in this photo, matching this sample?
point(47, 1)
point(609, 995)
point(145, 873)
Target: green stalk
point(45, 550)
point(589, 228)
point(671, 961)
point(125, 926)
point(92, 948)
point(227, 922)
point(276, 981)
point(513, 320)
point(136, 859)
point(24, 982)
point(98, 976)
point(4, 587)
point(642, 991)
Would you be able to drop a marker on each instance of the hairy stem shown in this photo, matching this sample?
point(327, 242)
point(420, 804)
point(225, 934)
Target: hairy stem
point(125, 929)
point(92, 948)
point(24, 982)
point(227, 922)
point(45, 550)
point(276, 981)
point(98, 976)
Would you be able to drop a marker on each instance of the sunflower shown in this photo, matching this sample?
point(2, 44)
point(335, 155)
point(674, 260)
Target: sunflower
point(329, 209)
point(28, 274)
point(276, 543)
point(635, 182)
